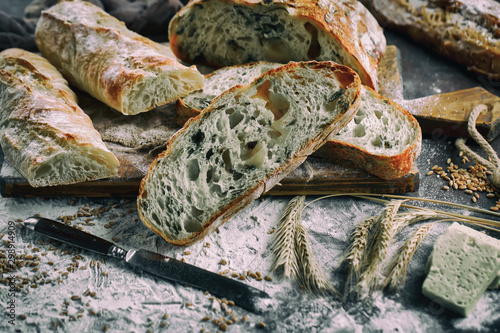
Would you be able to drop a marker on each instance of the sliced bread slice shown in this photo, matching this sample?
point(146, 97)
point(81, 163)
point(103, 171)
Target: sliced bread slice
point(216, 83)
point(383, 138)
point(245, 142)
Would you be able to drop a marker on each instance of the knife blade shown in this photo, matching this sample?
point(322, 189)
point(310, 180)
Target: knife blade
point(243, 295)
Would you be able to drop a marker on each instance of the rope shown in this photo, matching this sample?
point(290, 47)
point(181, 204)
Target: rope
point(493, 164)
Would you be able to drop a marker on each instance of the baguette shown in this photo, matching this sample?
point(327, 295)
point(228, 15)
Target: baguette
point(43, 132)
point(222, 33)
point(383, 138)
point(245, 142)
point(466, 32)
point(98, 54)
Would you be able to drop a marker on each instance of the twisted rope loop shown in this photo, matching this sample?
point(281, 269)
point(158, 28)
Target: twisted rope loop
point(493, 164)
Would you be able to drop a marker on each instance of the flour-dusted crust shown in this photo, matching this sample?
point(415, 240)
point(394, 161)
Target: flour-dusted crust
point(231, 32)
point(43, 132)
point(243, 144)
point(467, 31)
point(98, 54)
point(383, 138)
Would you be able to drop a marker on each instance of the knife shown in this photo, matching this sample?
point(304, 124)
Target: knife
point(243, 295)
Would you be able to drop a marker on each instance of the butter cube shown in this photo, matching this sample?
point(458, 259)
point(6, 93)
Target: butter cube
point(462, 265)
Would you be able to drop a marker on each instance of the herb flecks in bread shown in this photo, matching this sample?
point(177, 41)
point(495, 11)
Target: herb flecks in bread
point(98, 54)
point(43, 132)
point(245, 142)
point(224, 33)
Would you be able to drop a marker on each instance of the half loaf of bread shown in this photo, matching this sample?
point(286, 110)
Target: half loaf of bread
point(222, 33)
point(383, 138)
point(245, 142)
point(465, 31)
point(43, 132)
point(96, 53)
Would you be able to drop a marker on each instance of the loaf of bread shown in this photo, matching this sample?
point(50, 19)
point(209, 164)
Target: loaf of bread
point(43, 132)
point(96, 53)
point(245, 142)
point(222, 33)
point(383, 138)
point(467, 32)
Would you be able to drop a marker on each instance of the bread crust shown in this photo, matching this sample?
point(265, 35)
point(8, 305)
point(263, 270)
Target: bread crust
point(96, 53)
point(347, 22)
point(390, 166)
point(466, 32)
point(42, 125)
point(352, 85)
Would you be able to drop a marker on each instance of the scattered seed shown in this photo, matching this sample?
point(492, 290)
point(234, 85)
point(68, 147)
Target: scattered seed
point(223, 262)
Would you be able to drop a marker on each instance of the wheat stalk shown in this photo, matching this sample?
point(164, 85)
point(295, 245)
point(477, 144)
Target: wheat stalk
point(398, 267)
point(383, 234)
point(283, 245)
point(312, 277)
point(355, 254)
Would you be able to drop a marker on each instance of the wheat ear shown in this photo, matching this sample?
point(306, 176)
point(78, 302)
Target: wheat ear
point(384, 233)
point(283, 243)
point(312, 277)
point(398, 267)
point(355, 254)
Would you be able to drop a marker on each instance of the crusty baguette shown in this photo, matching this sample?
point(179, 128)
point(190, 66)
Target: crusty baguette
point(465, 31)
point(216, 83)
point(222, 33)
point(245, 142)
point(98, 54)
point(383, 138)
point(43, 132)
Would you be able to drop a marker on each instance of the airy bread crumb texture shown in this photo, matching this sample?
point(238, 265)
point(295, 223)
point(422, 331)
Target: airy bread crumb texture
point(378, 127)
point(247, 135)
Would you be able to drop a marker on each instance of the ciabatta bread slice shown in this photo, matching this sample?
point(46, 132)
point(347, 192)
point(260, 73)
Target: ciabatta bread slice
point(43, 132)
point(383, 138)
point(222, 33)
point(240, 146)
point(216, 83)
point(98, 54)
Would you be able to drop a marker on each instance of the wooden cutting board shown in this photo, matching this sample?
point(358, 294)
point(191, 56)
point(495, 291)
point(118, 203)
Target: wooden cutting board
point(315, 177)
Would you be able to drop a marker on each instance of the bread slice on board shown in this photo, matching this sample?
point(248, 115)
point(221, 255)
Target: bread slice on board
point(383, 138)
point(222, 33)
point(245, 142)
point(98, 54)
point(465, 31)
point(216, 83)
point(43, 132)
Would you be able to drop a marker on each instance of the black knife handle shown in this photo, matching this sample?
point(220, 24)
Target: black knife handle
point(70, 235)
